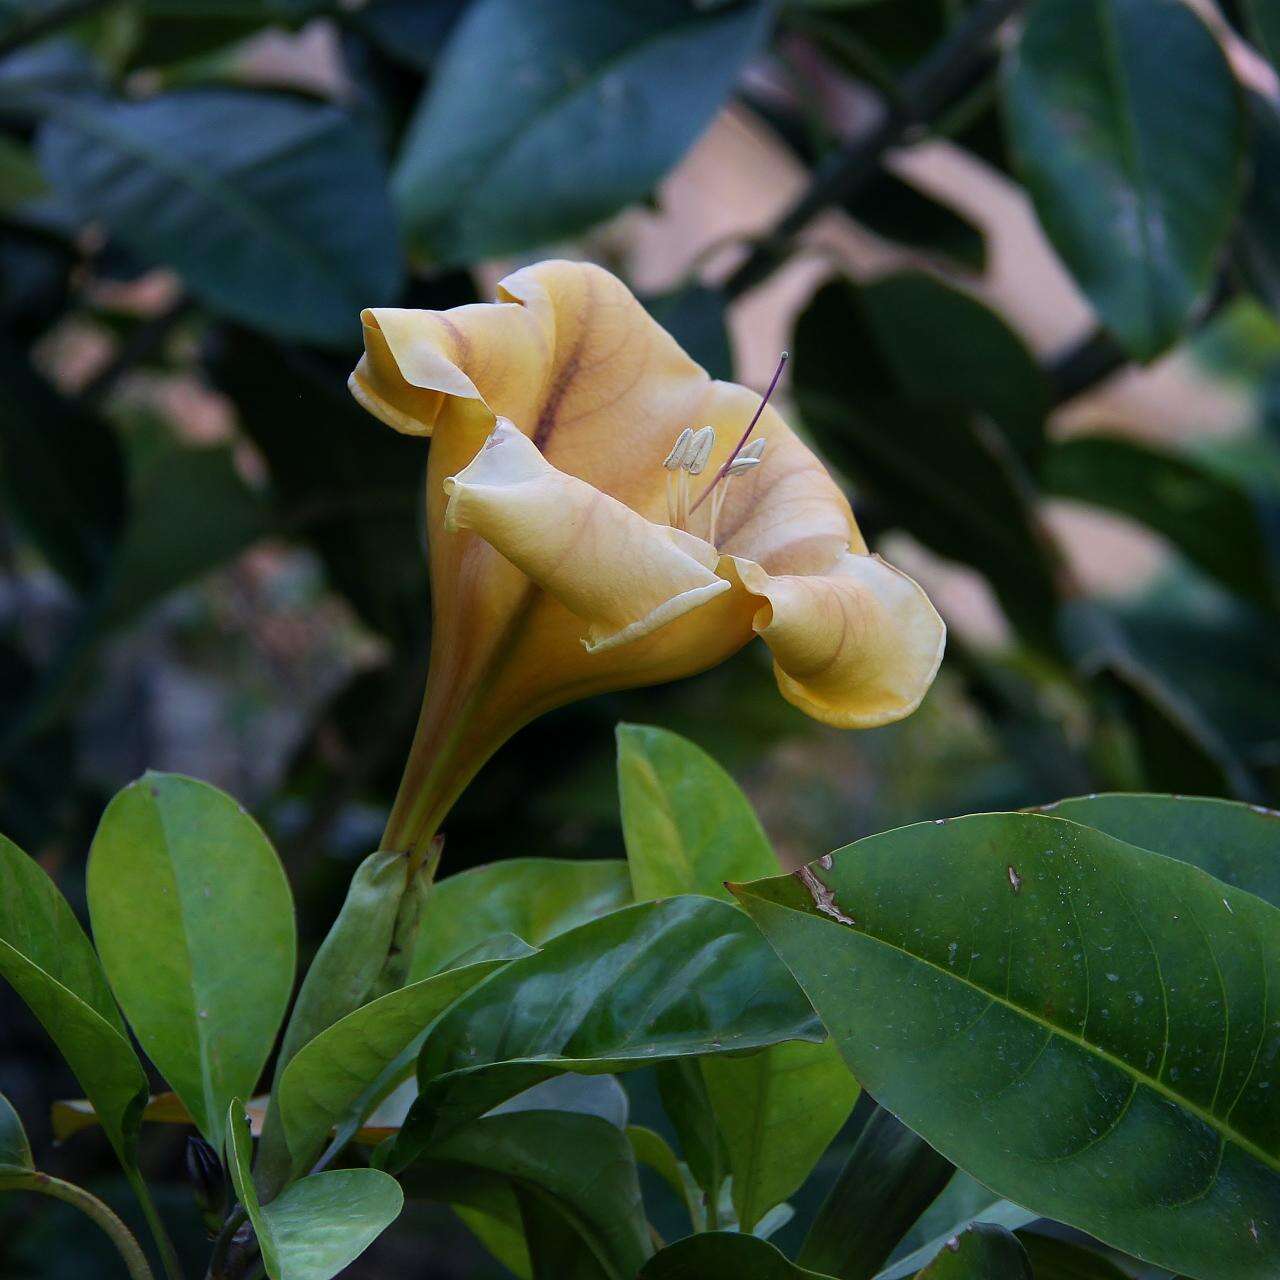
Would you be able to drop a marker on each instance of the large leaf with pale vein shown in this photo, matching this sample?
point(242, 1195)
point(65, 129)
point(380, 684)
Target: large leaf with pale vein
point(1085, 1026)
point(676, 978)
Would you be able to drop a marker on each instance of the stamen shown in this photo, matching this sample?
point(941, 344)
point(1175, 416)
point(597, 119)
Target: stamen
point(751, 426)
point(689, 456)
point(748, 458)
point(675, 459)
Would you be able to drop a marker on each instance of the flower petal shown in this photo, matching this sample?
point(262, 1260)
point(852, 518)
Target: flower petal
point(857, 646)
point(621, 574)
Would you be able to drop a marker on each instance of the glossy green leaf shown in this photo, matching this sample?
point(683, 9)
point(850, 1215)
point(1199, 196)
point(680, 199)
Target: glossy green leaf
point(983, 1251)
point(723, 1255)
point(1078, 1023)
point(319, 1225)
point(688, 828)
point(46, 958)
point(599, 99)
point(936, 470)
point(331, 1076)
point(1257, 240)
point(534, 898)
point(582, 1164)
point(778, 1110)
point(652, 1149)
point(890, 1178)
point(15, 1150)
point(660, 980)
point(687, 1104)
point(273, 209)
point(193, 919)
point(1136, 186)
point(1053, 1259)
point(1236, 843)
point(1212, 520)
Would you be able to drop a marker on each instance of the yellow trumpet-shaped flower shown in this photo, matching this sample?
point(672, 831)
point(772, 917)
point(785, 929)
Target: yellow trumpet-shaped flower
point(597, 519)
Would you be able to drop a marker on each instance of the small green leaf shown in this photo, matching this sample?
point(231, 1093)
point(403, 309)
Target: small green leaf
point(1236, 843)
point(778, 1110)
point(653, 1150)
point(583, 1164)
point(331, 1076)
point(533, 898)
point(194, 921)
point(319, 1225)
point(1080, 1024)
point(695, 317)
point(1135, 185)
point(688, 828)
point(15, 1150)
point(723, 1255)
point(599, 100)
point(660, 980)
point(983, 1251)
point(272, 208)
point(46, 957)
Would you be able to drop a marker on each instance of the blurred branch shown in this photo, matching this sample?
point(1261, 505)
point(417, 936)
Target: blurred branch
point(46, 21)
point(1081, 367)
point(936, 84)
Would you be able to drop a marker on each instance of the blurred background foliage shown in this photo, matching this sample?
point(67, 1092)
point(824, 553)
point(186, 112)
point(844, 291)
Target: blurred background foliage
point(1026, 256)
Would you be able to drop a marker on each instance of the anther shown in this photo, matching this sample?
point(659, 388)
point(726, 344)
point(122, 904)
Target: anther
point(699, 450)
point(675, 459)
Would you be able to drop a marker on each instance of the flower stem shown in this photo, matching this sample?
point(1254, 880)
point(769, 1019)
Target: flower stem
point(88, 1204)
point(159, 1233)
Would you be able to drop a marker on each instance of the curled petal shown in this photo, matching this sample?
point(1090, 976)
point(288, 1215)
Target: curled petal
point(621, 574)
point(857, 646)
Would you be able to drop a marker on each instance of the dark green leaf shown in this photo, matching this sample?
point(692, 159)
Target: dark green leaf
point(890, 1178)
point(273, 209)
point(940, 473)
point(15, 1150)
point(694, 316)
point(320, 1224)
point(688, 828)
point(963, 1203)
point(599, 99)
point(657, 981)
point(983, 1251)
point(940, 345)
point(1257, 237)
point(579, 1163)
point(1053, 1259)
point(778, 1110)
point(1236, 843)
point(1136, 185)
point(1263, 18)
point(409, 30)
point(192, 512)
point(723, 1255)
point(47, 959)
point(534, 898)
point(688, 1106)
point(1078, 1023)
point(895, 209)
point(1212, 520)
point(328, 1081)
point(342, 480)
point(193, 918)
point(63, 472)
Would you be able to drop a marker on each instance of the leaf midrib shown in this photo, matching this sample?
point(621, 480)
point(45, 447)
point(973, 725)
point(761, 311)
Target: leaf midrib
point(1224, 1130)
